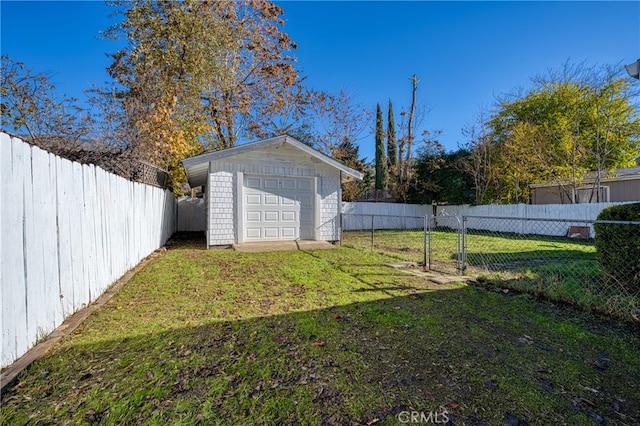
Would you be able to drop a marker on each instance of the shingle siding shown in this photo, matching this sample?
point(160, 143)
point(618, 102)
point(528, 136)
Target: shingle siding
point(221, 208)
point(329, 208)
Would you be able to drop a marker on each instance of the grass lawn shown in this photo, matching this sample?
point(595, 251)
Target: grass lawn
point(327, 337)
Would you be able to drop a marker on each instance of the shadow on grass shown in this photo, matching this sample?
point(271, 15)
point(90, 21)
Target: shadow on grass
point(475, 355)
point(523, 260)
point(325, 337)
point(363, 272)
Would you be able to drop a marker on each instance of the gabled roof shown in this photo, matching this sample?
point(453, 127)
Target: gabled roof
point(197, 167)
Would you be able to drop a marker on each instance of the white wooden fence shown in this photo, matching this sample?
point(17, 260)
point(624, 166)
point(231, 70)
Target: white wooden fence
point(361, 216)
point(357, 216)
point(519, 218)
point(583, 211)
point(67, 232)
point(191, 215)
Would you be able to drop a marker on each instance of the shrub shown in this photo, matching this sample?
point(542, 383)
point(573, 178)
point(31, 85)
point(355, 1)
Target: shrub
point(618, 245)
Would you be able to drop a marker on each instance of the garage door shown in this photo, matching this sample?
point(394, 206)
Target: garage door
point(277, 208)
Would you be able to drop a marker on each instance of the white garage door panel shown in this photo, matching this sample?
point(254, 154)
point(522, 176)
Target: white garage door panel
point(304, 185)
point(271, 232)
point(277, 208)
point(252, 182)
point(254, 199)
point(289, 233)
point(252, 217)
point(288, 184)
point(288, 217)
point(271, 184)
point(253, 233)
point(271, 217)
point(271, 200)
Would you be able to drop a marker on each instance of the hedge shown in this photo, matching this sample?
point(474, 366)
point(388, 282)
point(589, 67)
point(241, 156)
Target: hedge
point(618, 245)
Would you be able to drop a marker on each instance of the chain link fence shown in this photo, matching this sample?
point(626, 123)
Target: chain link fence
point(551, 257)
point(402, 237)
point(556, 258)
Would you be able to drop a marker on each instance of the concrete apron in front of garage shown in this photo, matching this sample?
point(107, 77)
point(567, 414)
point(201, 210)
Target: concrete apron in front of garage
point(263, 246)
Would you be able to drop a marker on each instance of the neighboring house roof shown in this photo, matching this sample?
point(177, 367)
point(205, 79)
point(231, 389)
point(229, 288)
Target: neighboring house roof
point(628, 173)
point(196, 168)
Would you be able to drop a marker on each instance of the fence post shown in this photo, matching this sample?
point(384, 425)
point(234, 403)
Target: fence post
point(424, 243)
point(463, 254)
point(429, 229)
point(372, 229)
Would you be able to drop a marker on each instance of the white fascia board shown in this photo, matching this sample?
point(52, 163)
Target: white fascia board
point(190, 163)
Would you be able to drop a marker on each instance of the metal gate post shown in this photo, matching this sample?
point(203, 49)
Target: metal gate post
point(429, 230)
point(464, 244)
point(460, 242)
point(372, 229)
point(424, 243)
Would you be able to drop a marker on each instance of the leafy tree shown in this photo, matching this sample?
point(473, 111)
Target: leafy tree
point(196, 75)
point(347, 153)
point(439, 180)
point(569, 124)
point(381, 161)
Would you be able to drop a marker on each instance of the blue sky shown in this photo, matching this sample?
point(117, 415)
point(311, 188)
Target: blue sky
point(464, 53)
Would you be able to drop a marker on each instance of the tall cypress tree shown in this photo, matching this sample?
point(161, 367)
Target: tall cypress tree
point(392, 145)
point(381, 161)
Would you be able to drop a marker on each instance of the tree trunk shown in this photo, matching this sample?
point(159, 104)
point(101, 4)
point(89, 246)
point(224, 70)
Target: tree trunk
point(410, 135)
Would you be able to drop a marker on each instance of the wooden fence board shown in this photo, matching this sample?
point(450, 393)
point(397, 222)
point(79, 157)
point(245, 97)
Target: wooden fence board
point(14, 316)
point(67, 231)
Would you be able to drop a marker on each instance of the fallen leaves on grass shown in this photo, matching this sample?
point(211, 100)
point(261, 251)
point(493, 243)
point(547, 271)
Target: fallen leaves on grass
point(526, 340)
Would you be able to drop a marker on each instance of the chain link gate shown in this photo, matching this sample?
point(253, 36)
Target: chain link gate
point(443, 244)
point(400, 236)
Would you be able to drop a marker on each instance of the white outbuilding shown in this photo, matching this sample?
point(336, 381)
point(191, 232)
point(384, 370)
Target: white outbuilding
point(276, 189)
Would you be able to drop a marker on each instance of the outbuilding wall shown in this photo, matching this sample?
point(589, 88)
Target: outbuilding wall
point(223, 187)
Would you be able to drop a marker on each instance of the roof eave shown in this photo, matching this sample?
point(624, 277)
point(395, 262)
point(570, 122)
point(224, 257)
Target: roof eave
point(239, 149)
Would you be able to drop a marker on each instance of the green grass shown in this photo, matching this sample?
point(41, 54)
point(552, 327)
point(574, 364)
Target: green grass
point(325, 337)
point(554, 267)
